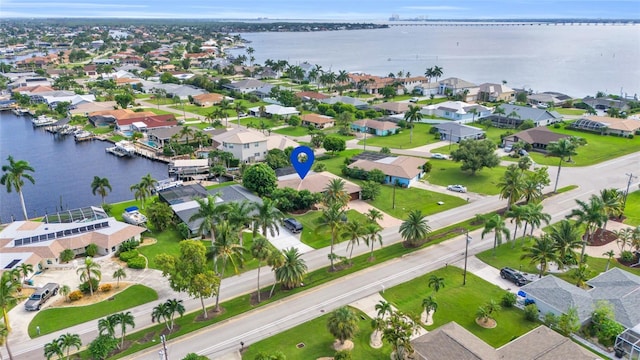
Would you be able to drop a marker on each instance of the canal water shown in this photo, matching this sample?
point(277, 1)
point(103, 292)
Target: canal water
point(64, 170)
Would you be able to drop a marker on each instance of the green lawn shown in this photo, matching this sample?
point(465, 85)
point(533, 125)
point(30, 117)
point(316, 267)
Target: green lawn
point(632, 209)
point(98, 130)
point(159, 111)
point(293, 131)
point(159, 100)
point(421, 137)
point(569, 111)
point(318, 342)
point(317, 235)
point(334, 163)
point(447, 172)
point(413, 199)
point(54, 319)
point(256, 123)
point(459, 303)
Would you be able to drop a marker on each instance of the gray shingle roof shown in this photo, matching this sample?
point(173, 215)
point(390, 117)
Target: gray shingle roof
point(457, 129)
point(529, 113)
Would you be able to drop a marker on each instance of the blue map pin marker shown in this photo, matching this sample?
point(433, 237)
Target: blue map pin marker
point(302, 168)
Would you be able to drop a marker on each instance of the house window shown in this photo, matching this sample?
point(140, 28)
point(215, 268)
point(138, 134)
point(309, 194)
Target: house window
point(257, 144)
point(256, 154)
point(246, 146)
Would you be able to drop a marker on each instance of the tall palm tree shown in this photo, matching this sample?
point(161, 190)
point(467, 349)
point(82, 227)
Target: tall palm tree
point(293, 269)
point(52, 349)
point(531, 189)
point(267, 218)
point(149, 183)
point(429, 73)
point(542, 252)
point(499, 111)
point(517, 215)
point(100, 185)
point(334, 193)
point(107, 326)
point(437, 72)
point(513, 115)
point(226, 249)
point(561, 149)
point(429, 304)
point(612, 200)
point(261, 251)
point(333, 218)
point(415, 228)
point(185, 132)
point(371, 236)
point(511, 185)
point(411, 116)
point(342, 324)
point(8, 290)
point(383, 308)
point(209, 213)
point(566, 238)
point(160, 313)
point(119, 274)
point(90, 268)
point(239, 107)
point(68, 340)
point(353, 230)
point(125, 319)
point(174, 307)
point(496, 224)
point(139, 193)
point(436, 283)
point(225, 105)
point(25, 269)
point(592, 215)
point(13, 178)
point(535, 216)
point(276, 261)
point(373, 215)
point(239, 217)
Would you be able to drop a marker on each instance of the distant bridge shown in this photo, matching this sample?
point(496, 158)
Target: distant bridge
point(524, 23)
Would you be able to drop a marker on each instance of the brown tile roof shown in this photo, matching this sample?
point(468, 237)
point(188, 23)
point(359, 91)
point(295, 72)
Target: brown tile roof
point(121, 81)
point(396, 107)
point(616, 123)
point(375, 124)
point(151, 120)
point(121, 114)
point(317, 119)
point(316, 183)
point(33, 89)
point(311, 95)
point(406, 167)
point(209, 97)
point(537, 135)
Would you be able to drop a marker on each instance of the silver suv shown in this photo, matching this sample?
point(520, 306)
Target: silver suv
point(40, 296)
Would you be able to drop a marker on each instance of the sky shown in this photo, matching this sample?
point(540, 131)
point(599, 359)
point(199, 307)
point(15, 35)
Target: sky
point(373, 10)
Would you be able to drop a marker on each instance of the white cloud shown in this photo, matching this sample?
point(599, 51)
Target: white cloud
point(436, 8)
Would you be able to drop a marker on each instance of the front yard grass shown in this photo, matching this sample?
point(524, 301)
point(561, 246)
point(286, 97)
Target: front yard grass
point(569, 111)
point(317, 235)
point(159, 111)
point(459, 303)
point(54, 319)
point(421, 137)
point(413, 199)
point(447, 172)
point(318, 342)
point(632, 209)
point(292, 131)
point(334, 163)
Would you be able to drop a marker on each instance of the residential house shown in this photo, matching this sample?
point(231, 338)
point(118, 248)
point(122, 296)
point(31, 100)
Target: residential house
point(454, 132)
point(490, 92)
point(459, 111)
point(317, 121)
point(607, 125)
point(89, 107)
point(538, 137)
point(270, 110)
point(379, 128)
point(247, 145)
point(91, 71)
point(28, 81)
point(400, 170)
point(263, 92)
point(277, 141)
point(317, 183)
point(515, 115)
point(454, 86)
point(161, 137)
point(311, 95)
point(548, 97)
point(604, 103)
point(392, 108)
point(109, 117)
point(372, 84)
point(452, 341)
point(146, 122)
point(40, 243)
point(245, 86)
point(427, 89)
point(208, 99)
point(359, 104)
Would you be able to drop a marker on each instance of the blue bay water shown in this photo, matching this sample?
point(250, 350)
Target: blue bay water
point(578, 60)
point(64, 169)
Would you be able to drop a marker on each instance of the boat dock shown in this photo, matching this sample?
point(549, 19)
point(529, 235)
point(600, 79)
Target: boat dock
point(122, 148)
point(43, 120)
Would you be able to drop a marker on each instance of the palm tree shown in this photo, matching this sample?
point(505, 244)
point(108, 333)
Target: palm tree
point(334, 193)
point(239, 217)
point(371, 236)
point(125, 319)
point(174, 306)
point(185, 132)
point(513, 115)
point(4, 340)
point(13, 178)
point(149, 183)
point(90, 268)
point(609, 254)
point(373, 215)
point(239, 107)
point(511, 185)
point(411, 116)
point(517, 215)
point(436, 283)
point(276, 261)
point(161, 313)
point(496, 224)
point(8, 289)
point(429, 73)
point(531, 189)
point(592, 215)
point(353, 230)
point(499, 111)
point(119, 274)
point(415, 228)
point(261, 251)
point(383, 308)
point(139, 193)
point(612, 200)
point(565, 237)
point(107, 326)
point(226, 249)
point(225, 105)
point(65, 290)
point(293, 269)
point(25, 269)
point(267, 218)
point(437, 72)
point(100, 185)
point(209, 213)
point(534, 216)
point(429, 304)
point(561, 149)
point(541, 252)
point(333, 218)
point(342, 324)
point(68, 340)
point(53, 349)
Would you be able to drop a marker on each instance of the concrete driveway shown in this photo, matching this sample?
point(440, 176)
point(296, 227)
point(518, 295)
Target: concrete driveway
point(286, 239)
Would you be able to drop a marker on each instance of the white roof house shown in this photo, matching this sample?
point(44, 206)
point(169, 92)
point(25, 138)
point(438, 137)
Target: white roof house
point(284, 111)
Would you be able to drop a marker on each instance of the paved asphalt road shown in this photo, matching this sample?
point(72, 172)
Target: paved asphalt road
point(258, 324)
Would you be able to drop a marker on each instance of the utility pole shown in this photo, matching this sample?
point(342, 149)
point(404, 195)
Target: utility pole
point(626, 193)
point(164, 347)
point(466, 252)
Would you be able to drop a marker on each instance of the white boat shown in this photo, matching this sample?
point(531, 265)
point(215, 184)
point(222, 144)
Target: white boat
point(20, 111)
point(43, 120)
point(122, 148)
point(167, 184)
point(133, 216)
point(81, 135)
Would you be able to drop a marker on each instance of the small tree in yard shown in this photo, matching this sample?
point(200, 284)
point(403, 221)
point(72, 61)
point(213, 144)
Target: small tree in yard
point(475, 155)
point(342, 324)
point(334, 144)
point(260, 178)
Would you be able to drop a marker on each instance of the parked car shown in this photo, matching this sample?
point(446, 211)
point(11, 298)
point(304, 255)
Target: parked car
point(293, 225)
point(414, 100)
point(513, 276)
point(438, 156)
point(40, 296)
point(457, 188)
point(523, 152)
point(508, 148)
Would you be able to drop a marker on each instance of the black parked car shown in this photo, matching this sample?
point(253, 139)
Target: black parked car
point(513, 276)
point(293, 225)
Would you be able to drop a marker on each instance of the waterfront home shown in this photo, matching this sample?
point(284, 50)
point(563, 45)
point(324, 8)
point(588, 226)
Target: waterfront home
point(538, 137)
point(359, 104)
point(399, 170)
point(190, 169)
point(490, 92)
point(372, 84)
point(246, 145)
point(73, 100)
point(316, 183)
point(454, 132)
point(160, 137)
point(245, 86)
point(178, 91)
point(273, 109)
point(515, 115)
point(607, 125)
point(427, 89)
point(454, 86)
point(28, 81)
point(40, 243)
point(392, 108)
point(39, 98)
point(378, 128)
point(145, 122)
point(452, 341)
point(604, 103)
point(86, 108)
point(109, 117)
point(208, 99)
point(549, 97)
point(459, 111)
point(317, 121)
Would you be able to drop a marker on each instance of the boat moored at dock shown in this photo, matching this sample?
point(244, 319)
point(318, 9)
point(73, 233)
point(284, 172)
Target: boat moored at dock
point(43, 120)
point(133, 216)
point(122, 148)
